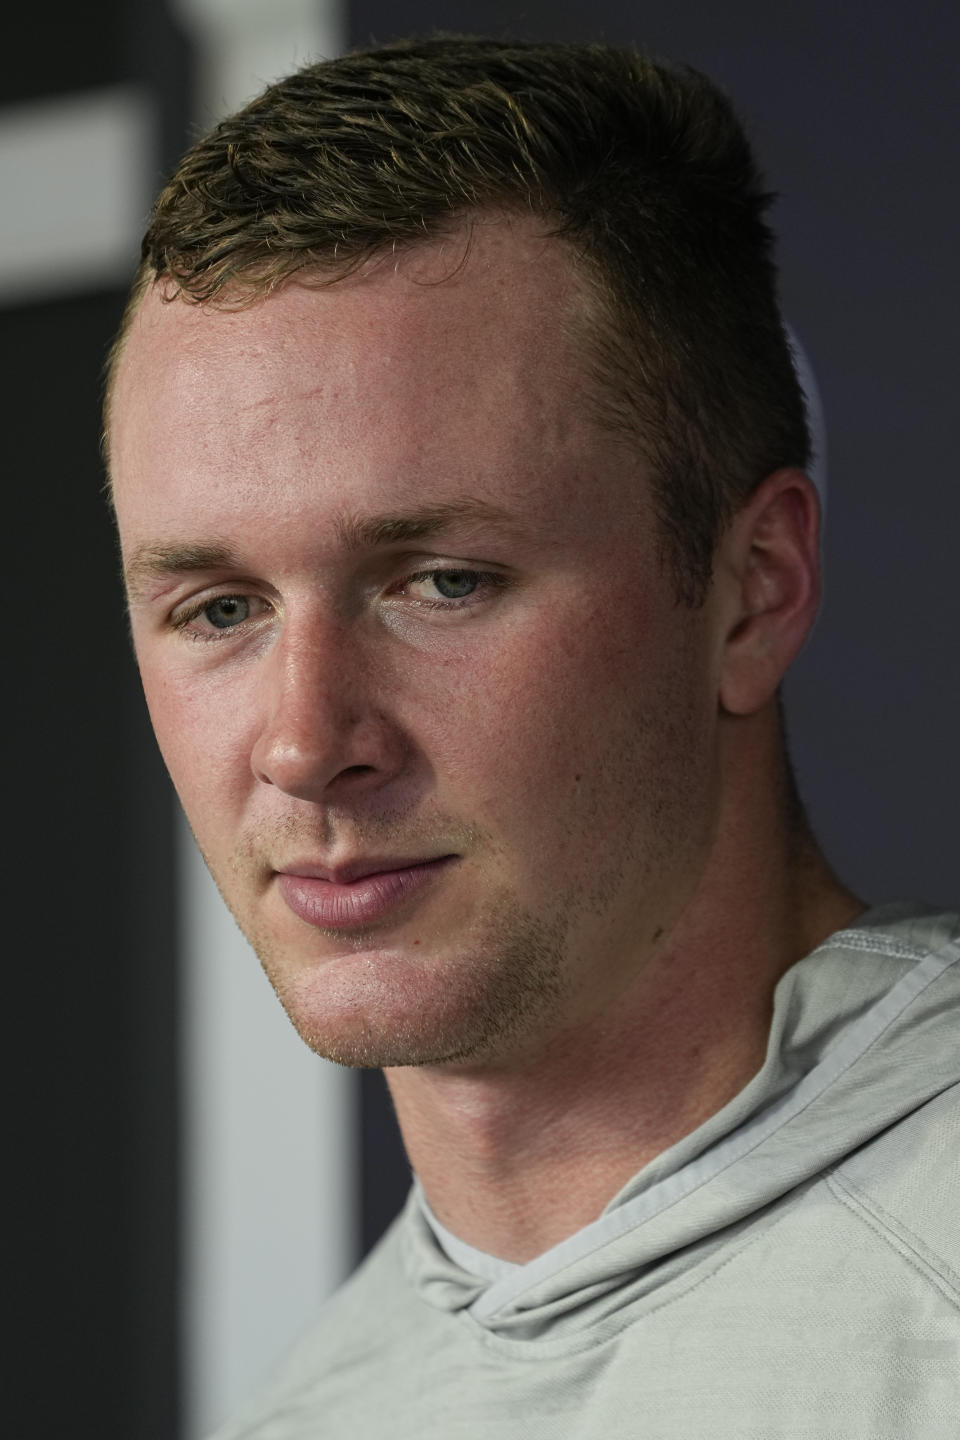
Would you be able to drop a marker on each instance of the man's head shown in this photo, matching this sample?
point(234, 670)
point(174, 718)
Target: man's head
point(483, 400)
point(640, 168)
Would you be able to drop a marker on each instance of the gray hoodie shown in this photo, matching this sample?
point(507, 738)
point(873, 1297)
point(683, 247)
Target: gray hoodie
point(789, 1269)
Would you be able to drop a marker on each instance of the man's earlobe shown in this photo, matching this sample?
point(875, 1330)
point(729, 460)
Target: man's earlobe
point(769, 567)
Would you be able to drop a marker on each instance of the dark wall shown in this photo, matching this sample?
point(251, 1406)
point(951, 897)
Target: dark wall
point(92, 1152)
point(91, 979)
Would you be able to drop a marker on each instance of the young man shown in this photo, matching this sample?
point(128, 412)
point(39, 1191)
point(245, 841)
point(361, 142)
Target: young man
point(459, 465)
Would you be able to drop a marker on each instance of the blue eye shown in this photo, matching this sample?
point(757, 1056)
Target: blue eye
point(459, 588)
point(227, 611)
point(461, 582)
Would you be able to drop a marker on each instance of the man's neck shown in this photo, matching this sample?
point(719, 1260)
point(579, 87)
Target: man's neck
point(516, 1156)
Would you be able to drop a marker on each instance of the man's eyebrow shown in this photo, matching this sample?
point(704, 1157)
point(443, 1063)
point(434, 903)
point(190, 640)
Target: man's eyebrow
point(152, 563)
point(374, 530)
point(165, 562)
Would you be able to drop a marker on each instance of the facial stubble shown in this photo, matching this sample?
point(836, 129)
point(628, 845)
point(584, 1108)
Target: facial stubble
point(478, 991)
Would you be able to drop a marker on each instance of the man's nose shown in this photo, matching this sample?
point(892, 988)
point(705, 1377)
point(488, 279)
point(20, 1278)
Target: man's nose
point(323, 719)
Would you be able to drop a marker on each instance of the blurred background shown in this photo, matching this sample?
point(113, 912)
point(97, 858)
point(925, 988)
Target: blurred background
point(187, 1181)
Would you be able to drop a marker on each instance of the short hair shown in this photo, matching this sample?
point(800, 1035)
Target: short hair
point(640, 166)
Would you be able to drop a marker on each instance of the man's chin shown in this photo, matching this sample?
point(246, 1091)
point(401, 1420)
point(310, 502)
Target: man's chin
point(360, 1046)
point(381, 1007)
point(369, 1023)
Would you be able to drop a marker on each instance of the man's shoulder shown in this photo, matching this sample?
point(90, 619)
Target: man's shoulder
point(349, 1340)
point(905, 1181)
point(905, 1184)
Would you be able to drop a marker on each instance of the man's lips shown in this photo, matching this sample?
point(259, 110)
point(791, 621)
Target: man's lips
point(358, 894)
point(357, 869)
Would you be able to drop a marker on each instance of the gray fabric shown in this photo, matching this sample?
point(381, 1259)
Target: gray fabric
point(789, 1269)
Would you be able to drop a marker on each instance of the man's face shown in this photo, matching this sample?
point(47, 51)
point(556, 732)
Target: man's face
point(517, 689)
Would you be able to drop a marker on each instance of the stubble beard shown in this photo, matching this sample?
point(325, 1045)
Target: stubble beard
point(500, 980)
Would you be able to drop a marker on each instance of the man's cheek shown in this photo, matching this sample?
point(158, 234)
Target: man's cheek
point(207, 757)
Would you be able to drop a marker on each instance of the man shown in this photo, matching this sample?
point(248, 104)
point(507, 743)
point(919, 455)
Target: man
point(459, 465)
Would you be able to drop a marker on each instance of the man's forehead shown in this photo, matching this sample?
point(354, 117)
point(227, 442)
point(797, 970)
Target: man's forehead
point(413, 348)
point(482, 316)
point(498, 269)
point(318, 405)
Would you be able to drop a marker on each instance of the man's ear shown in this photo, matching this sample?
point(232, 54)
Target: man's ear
point(767, 575)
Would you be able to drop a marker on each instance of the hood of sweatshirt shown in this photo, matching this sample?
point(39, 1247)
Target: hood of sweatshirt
point(864, 1031)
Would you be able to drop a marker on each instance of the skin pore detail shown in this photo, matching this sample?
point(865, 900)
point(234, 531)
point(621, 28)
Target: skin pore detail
point(593, 972)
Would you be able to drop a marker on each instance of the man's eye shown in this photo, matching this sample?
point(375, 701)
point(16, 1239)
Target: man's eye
point(223, 612)
point(227, 611)
point(454, 586)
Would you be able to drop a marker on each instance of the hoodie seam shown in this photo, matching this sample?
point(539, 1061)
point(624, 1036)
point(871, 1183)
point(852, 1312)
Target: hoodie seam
point(897, 1236)
point(861, 941)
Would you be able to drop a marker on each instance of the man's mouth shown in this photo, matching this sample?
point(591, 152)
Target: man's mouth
point(355, 893)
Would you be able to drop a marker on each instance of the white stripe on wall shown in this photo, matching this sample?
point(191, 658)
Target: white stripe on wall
point(268, 1142)
point(271, 1148)
point(75, 181)
point(241, 45)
